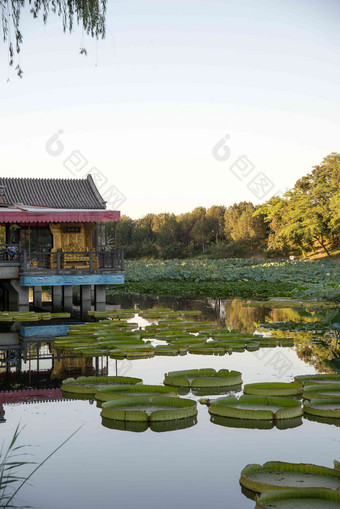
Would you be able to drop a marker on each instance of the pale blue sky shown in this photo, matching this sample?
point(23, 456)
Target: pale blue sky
point(173, 78)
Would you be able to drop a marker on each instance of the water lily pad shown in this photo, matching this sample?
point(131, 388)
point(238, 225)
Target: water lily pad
point(206, 377)
point(256, 407)
point(170, 350)
point(323, 407)
point(306, 498)
point(280, 475)
point(274, 389)
point(90, 384)
point(142, 409)
point(156, 426)
point(324, 391)
point(316, 379)
point(231, 422)
point(124, 391)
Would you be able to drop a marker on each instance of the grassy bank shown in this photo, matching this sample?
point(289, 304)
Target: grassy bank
point(233, 278)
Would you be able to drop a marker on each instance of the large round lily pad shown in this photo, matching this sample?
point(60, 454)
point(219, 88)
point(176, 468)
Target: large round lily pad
point(256, 407)
point(90, 384)
point(142, 409)
point(306, 498)
point(324, 407)
point(157, 426)
point(274, 389)
point(126, 391)
point(321, 391)
point(231, 422)
point(317, 379)
point(280, 475)
point(207, 377)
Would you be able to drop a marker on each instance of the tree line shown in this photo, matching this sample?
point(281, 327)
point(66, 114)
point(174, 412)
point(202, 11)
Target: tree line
point(307, 216)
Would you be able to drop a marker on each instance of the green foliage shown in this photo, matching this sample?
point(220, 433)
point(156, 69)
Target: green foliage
point(233, 277)
point(308, 215)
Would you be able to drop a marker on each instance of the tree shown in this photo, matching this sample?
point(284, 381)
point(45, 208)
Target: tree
point(242, 226)
point(216, 215)
point(309, 213)
point(309, 202)
point(202, 232)
point(90, 14)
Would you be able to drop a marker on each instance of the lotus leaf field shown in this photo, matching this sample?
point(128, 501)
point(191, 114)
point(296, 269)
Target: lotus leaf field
point(226, 278)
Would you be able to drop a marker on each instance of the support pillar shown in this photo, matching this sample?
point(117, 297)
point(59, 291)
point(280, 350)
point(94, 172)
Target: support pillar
point(37, 292)
point(18, 296)
point(68, 298)
point(57, 294)
point(100, 297)
point(23, 299)
point(12, 299)
point(85, 301)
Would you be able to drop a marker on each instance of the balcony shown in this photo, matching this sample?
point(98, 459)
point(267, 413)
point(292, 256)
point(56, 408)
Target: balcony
point(71, 262)
point(98, 266)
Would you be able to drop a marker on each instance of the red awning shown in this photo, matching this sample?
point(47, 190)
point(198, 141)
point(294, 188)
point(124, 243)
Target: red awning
point(62, 216)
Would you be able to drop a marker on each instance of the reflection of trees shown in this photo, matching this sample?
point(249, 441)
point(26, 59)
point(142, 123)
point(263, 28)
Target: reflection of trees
point(244, 318)
point(290, 315)
point(317, 354)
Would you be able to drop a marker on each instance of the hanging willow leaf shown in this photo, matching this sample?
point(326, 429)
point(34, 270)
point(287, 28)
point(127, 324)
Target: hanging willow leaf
point(89, 14)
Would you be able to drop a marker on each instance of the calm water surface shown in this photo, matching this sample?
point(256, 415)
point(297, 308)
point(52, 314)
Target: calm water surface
point(195, 467)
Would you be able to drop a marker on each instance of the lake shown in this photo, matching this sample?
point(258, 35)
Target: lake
point(198, 466)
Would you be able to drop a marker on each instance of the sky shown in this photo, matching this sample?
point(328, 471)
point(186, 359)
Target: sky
point(183, 104)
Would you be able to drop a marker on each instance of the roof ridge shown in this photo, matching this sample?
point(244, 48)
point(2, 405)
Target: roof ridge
point(94, 188)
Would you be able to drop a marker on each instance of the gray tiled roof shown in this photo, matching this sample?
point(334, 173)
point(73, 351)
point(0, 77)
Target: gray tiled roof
point(54, 193)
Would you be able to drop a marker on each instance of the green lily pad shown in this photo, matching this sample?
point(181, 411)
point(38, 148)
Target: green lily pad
point(280, 475)
point(323, 407)
point(206, 377)
point(125, 391)
point(231, 422)
point(306, 498)
point(90, 384)
point(256, 407)
point(324, 391)
point(274, 389)
point(142, 409)
point(316, 379)
point(157, 426)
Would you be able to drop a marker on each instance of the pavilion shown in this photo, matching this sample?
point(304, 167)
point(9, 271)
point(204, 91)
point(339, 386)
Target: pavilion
point(53, 232)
